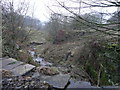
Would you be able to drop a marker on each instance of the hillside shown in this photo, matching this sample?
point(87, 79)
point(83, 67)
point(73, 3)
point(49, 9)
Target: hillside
point(76, 53)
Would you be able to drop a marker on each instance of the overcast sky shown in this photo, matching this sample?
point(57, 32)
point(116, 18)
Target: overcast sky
point(40, 10)
point(39, 7)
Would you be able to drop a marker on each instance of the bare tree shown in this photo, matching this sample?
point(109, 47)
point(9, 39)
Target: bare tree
point(14, 36)
point(101, 27)
point(109, 28)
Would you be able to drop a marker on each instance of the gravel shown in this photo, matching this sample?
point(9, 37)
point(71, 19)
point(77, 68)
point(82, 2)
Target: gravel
point(23, 82)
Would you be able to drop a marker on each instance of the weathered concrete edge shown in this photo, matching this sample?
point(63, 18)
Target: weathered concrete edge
point(29, 70)
point(21, 74)
point(0, 43)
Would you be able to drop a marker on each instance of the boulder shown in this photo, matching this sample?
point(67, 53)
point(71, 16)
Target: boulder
point(57, 81)
point(79, 84)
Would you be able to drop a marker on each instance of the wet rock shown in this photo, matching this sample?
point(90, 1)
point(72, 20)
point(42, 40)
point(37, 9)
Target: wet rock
point(57, 81)
point(32, 53)
point(48, 70)
point(42, 62)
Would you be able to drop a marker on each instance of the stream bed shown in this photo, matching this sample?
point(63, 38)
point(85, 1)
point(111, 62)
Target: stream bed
point(38, 59)
point(59, 80)
point(46, 76)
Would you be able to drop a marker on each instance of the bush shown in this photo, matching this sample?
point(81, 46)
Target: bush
point(14, 35)
point(101, 61)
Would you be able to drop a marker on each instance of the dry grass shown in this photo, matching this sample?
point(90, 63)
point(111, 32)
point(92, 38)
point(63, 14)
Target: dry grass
point(38, 36)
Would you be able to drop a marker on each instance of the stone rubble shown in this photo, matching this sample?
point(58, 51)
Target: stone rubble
point(47, 77)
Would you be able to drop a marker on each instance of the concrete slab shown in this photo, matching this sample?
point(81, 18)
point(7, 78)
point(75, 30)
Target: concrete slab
point(12, 66)
point(80, 84)
point(8, 62)
point(57, 81)
point(22, 69)
point(16, 67)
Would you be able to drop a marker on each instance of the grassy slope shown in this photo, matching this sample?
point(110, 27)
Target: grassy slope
point(57, 53)
point(38, 36)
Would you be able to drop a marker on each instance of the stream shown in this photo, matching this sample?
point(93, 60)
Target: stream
point(45, 76)
point(60, 80)
point(38, 59)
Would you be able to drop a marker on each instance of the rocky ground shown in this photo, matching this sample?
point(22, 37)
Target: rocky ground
point(23, 82)
point(65, 71)
point(45, 76)
point(48, 78)
point(41, 77)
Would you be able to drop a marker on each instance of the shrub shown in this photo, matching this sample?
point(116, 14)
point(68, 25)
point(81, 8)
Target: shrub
point(101, 61)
